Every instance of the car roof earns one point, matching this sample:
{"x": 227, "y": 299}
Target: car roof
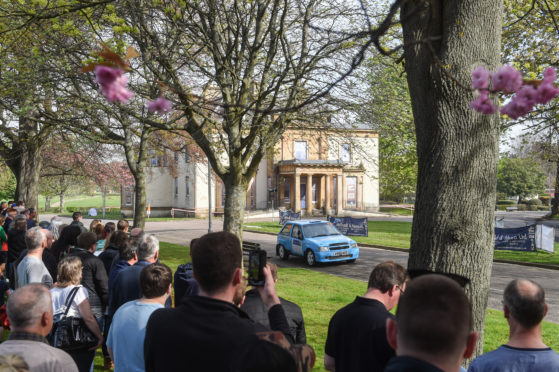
{"x": 307, "y": 222}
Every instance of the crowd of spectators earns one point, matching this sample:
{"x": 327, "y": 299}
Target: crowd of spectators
{"x": 121, "y": 291}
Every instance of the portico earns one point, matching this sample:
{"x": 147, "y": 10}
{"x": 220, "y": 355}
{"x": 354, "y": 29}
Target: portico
{"x": 307, "y": 185}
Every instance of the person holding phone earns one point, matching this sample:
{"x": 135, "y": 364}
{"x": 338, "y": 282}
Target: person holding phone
{"x": 209, "y": 332}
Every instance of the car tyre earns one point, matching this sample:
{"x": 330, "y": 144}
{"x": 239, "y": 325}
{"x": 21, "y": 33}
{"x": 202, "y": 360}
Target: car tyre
{"x": 283, "y": 253}
{"x": 310, "y": 258}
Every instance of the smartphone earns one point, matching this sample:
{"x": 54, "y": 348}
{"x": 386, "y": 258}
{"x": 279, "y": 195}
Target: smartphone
{"x": 256, "y": 263}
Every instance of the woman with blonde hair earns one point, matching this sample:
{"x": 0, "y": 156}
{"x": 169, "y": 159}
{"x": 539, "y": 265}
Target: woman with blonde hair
{"x": 69, "y": 277}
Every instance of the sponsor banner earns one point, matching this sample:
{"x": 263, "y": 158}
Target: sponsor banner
{"x": 545, "y": 238}
{"x": 351, "y": 226}
{"x": 516, "y": 239}
{"x": 288, "y": 216}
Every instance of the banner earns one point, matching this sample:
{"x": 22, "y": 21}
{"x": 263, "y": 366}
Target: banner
{"x": 545, "y": 238}
{"x": 515, "y": 239}
{"x": 351, "y": 226}
{"x": 288, "y": 216}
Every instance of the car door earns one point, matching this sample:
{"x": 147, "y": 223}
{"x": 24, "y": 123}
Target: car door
{"x": 284, "y": 237}
{"x": 297, "y": 240}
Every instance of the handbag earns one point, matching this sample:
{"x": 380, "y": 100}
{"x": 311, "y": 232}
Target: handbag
{"x": 70, "y": 333}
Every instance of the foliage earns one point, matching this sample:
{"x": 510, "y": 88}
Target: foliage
{"x": 520, "y": 177}
{"x": 389, "y": 112}
{"x": 506, "y": 202}
{"x": 7, "y": 183}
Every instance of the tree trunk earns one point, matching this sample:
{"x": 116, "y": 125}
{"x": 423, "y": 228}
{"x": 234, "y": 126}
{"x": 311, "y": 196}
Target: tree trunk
{"x": 235, "y": 202}
{"x": 140, "y": 201}
{"x": 47, "y": 202}
{"x": 28, "y": 180}
{"x": 555, "y": 199}
{"x": 61, "y": 201}
{"x": 457, "y": 148}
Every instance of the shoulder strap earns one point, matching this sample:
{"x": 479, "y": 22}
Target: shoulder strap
{"x": 70, "y": 298}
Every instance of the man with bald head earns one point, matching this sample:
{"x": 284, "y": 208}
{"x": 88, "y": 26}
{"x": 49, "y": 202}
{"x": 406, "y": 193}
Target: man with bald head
{"x": 432, "y": 331}
{"x": 29, "y": 309}
{"x": 524, "y": 308}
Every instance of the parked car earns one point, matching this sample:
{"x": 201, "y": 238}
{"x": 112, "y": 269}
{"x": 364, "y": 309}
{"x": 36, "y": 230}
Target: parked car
{"x": 317, "y": 241}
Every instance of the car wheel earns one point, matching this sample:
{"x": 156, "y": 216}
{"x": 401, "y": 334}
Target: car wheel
{"x": 283, "y": 253}
{"x": 309, "y": 257}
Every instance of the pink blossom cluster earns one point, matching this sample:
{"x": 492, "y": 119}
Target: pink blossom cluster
{"x": 160, "y": 105}
{"x": 112, "y": 83}
{"x": 509, "y": 80}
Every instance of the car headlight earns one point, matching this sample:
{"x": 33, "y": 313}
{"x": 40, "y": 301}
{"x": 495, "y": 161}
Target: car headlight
{"x": 323, "y": 249}
{"x": 353, "y": 245}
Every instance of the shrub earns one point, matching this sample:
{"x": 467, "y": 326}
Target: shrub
{"x": 501, "y": 196}
{"x": 506, "y": 202}
{"x": 522, "y": 207}
{"x": 532, "y": 207}
{"x": 543, "y": 208}
{"x": 534, "y": 202}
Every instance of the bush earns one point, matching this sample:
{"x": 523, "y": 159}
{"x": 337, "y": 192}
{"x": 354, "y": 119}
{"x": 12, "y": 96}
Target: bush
{"x": 501, "y": 196}
{"x": 534, "y": 202}
{"x": 532, "y": 207}
{"x": 506, "y": 202}
{"x": 544, "y": 199}
{"x": 522, "y": 207}
{"x": 543, "y": 208}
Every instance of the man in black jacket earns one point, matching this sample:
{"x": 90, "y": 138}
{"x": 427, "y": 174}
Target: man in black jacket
{"x": 208, "y": 332}
{"x": 257, "y": 311}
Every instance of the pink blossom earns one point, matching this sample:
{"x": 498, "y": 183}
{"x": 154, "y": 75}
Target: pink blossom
{"x": 517, "y": 107}
{"x": 507, "y": 79}
{"x": 549, "y": 75}
{"x": 117, "y": 90}
{"x": 106, "y": 75}
{"x": 483, "y": 104}
{"x": 160, "y": 105}
{"x": 546, "y": 92}
{"x": 526, "y": 96}
{"x": 480, "y": 78}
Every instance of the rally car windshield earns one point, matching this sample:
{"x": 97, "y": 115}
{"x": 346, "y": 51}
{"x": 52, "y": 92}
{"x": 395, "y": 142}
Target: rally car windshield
{"x": 319, "y": 229}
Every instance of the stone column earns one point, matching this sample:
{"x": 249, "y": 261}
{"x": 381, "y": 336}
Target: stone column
{"x": 327, "y": 187}
{"x": 281, "y": 197}
{"x": 296, "y": 195}
{"x": 309, "y": 194}
{"x": 340, "y": 203}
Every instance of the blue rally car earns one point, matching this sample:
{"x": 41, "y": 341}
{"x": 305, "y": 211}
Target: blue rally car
{"x": 317, "y": 241}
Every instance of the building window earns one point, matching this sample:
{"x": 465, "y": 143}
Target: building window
{"x": 187, "y": 182}
{"x": 176, "y": 157}
{"x": 186, "y": 156}
{"x": 351, "y": 192}
{"x": 345, "y": 153}
{"x": 176, "y": 187}
{"x": 153, "y": 159}
{"x": 286, "y": 190}
{"x": 300, "y": 150}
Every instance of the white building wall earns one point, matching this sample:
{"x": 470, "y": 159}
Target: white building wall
{"x": 159, "y": 187}
{"x": 200, "y": 184}
{"x": 366, "y": 154}
{"x": 261, "y": 180}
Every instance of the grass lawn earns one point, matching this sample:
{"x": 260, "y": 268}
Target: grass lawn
{"x": 398, "y": 211}
{"x": 321, "y": 295}
{"x": 397, "y": 234}
{"x": 85, "y": 201}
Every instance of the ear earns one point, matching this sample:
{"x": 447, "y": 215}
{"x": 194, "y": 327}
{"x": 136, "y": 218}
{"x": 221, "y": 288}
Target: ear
{"x": 392, "y": 290}
{"x": 471, "y": 344}
{"x": 169, "y": 289}
{"x": 546, "y": 309}
{"x": 156, "y": 255}
{"x": 392, "y": 333}
{"x": 237, "y": 276}
{"x": 506, "y": 311}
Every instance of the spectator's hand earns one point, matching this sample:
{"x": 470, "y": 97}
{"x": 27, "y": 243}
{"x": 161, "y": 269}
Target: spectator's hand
{"x": 268, "y": 290}
{"x": 99, "y": 343}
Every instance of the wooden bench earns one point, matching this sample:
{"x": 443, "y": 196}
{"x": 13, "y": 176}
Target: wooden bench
{"x": 510, "y": 209}
{"x": 249, "y": 247}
